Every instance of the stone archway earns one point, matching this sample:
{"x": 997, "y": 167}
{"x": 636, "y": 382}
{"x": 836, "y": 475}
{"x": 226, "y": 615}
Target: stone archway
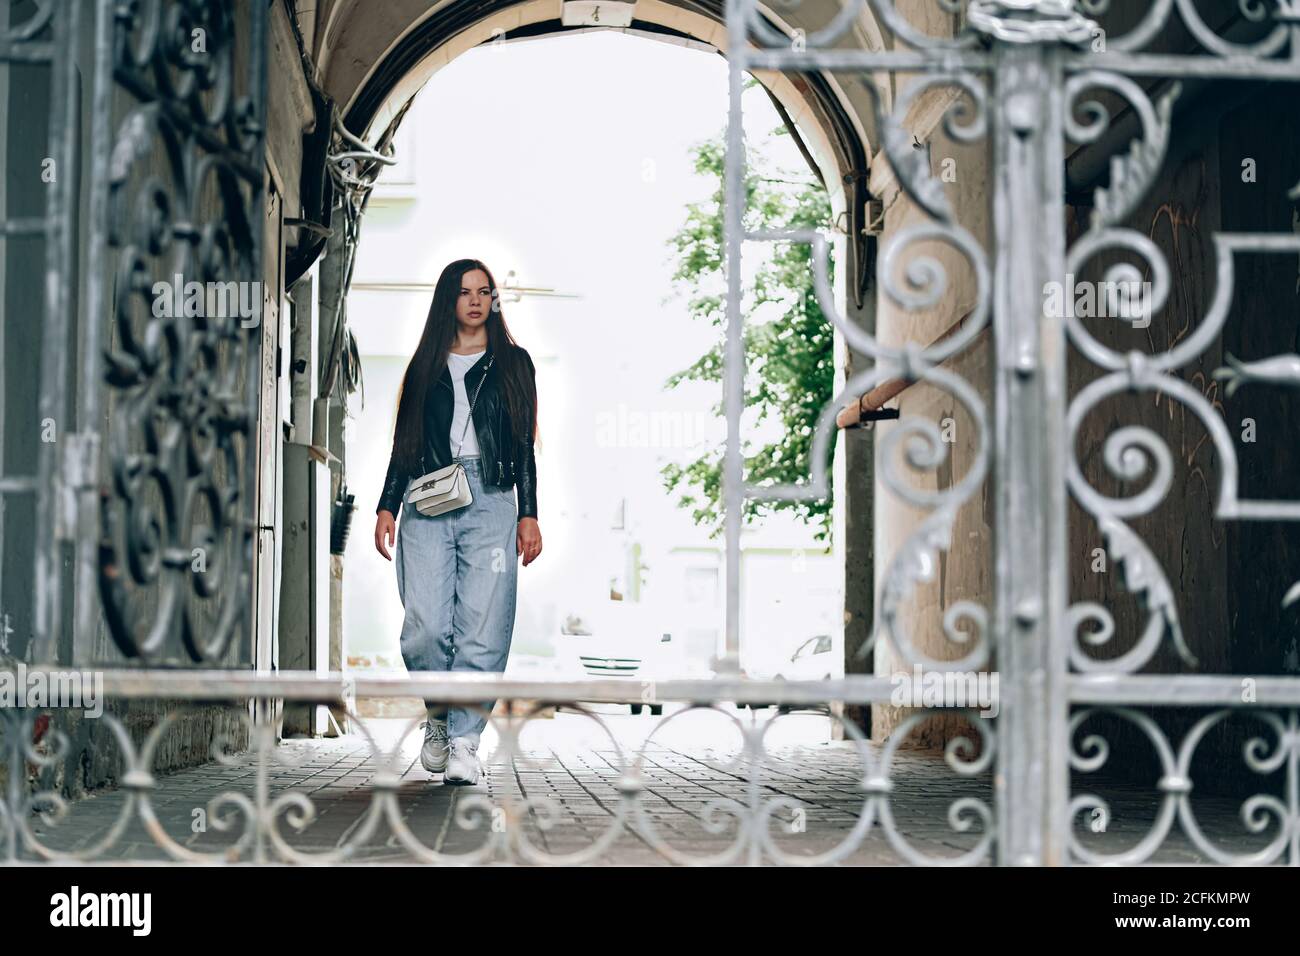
{"x": 373, "y": 70}
{"x": 373, "y": 64}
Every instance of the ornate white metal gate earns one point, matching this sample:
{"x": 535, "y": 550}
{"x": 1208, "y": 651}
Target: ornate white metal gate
{"x": 1024, "y": 67}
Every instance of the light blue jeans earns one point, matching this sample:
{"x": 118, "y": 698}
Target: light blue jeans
{"x": 456, "y": 575}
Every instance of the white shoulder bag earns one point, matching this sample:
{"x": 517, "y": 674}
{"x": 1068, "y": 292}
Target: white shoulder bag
{"x": 447, "y": 489}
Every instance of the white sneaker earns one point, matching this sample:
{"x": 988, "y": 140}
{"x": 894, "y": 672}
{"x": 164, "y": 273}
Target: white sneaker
{"x": 433, "y": 755}
{"x": 462, "y": 764}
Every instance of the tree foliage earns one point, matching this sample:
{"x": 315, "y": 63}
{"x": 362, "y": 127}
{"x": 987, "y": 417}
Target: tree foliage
{"x": 787, "y": 339}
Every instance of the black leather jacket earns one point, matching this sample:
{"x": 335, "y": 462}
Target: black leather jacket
{"x": 506, "y": 462}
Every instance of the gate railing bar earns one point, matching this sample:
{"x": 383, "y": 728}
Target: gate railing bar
{"x": 925, "y": 62}
{"x": 21, "y": 51}
{"x": 1167, "y": 64}
{"x": 1164, "y": 690}
{"x": 733, "y": 394}
{"x": 1187, "y": 690}
{"x": 1028, "y": 476}
{"x": 1152, "y": 64}
{"x": 30, "y": 226}
{"x": 453, "y": 687}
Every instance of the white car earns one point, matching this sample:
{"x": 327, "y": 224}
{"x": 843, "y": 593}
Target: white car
{"x": 812, "y": 660}
{"x": 623, "y": 640}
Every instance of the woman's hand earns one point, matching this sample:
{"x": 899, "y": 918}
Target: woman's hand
{"x": 385, "y": 532}
{"x": 528, "y": 540}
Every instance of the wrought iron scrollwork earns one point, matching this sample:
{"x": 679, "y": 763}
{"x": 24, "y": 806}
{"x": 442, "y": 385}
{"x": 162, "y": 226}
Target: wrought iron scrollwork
{"x": 1260, "y": 813}
{"x": 183, "y": 214}
{"x": 260, "y": 824}
{"x": 919, "y": 439}
{"x": 1131, "y": 175}
{"x": 1129, "y": 451}
{"x": 183, "y": 198}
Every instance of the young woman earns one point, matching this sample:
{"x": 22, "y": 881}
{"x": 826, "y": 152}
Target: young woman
{"x": 456, "y": 572}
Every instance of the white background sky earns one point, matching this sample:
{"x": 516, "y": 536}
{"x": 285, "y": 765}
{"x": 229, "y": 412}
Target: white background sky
{"x": 567, "y": 160}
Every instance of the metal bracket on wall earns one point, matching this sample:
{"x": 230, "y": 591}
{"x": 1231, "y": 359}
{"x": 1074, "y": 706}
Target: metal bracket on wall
{"x": 868, "y": 417}
{"x": 862, "y": 250}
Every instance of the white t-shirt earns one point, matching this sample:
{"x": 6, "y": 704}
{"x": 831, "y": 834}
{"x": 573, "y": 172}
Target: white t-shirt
{"x": 458, "y": 365}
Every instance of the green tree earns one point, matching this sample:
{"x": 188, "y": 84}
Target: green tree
{"x": 787, "y": 339}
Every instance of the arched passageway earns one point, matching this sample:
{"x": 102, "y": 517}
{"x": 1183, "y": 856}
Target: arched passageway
{"x": 583, "y": 194}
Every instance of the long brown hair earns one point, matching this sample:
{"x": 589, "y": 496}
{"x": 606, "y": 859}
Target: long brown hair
{"x": 430, "y": 359}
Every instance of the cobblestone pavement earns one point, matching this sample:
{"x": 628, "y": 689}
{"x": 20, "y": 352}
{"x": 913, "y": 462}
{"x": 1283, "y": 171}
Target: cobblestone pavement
{"x": 567, "y": 781}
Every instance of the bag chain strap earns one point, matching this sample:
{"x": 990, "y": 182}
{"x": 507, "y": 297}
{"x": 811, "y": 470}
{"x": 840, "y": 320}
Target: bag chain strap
{"x": 474, "y": 401}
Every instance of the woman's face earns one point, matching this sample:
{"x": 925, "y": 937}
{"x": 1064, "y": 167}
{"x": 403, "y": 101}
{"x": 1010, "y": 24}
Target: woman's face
{"x": 474, "y": 301}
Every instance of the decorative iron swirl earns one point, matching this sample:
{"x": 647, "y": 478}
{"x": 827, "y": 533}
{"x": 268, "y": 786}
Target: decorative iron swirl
{"x": 1157, "y": 20}
{"x": 1124, "y": 275}
{"x": 887, "y": 13}
{"x": 16, "y": 813}
{"x": 1141, "y": 34}
{"x": 848, "y": 14}
{"x": 910, "y": 165}
{"x": 914, "y": 283}
{"x": 1260, "y": 755}
{"x": 1065, "y": 23}
{"x": 183, "y": 201}
{"x": 1130, "y": 453}
{"x": 925, "y": 281}
{"x": 253, "y": 821}
{"x": 31, "y": 28}
{"x": 877, "y": 783}
{"x": 1131, "y": 175}
{"x": 916, "y": 559}
{"x": 255, "y": 817}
